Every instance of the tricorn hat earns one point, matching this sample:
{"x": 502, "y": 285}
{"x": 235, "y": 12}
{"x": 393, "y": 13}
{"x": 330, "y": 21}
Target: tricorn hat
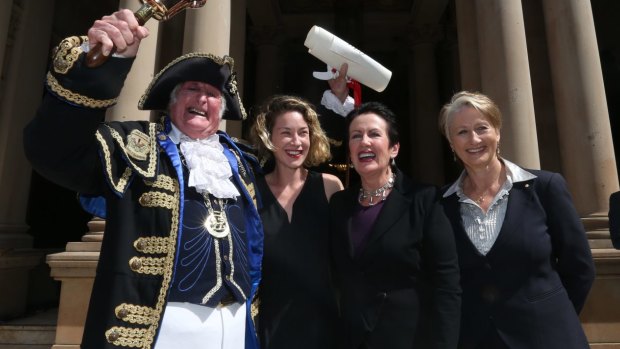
{"x": 203, "y": 67}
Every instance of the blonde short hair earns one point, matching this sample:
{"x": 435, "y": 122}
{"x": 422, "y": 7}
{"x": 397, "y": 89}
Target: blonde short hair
{"x": 476, "y": 100}
{"x": 262, "y": 128}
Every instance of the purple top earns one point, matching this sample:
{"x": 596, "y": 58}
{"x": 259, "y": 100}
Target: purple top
{"x": 363, "y": 220}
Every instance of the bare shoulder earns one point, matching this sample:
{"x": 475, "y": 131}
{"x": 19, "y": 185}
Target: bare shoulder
{"x": 332, "y": 184}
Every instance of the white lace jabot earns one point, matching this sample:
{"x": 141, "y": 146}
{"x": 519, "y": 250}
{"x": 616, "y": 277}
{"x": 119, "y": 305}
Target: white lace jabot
{"x": 209, "y": 170}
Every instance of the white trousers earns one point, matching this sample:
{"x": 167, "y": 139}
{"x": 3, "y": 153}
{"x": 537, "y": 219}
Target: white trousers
{"x": 192, "y": 326}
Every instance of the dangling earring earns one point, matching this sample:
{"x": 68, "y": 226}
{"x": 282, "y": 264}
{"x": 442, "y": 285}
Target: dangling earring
{"x": 497, "y": 150}
{"x": 393, "y": 162}
{"x": 351, "y": 165}
{"x": 454, "y": 156}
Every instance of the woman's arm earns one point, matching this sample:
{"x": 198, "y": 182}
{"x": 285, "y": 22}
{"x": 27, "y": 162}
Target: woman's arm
{"x": 568, "y": 237}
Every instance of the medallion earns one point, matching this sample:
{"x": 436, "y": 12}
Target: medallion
{"x": 217, "y": 224}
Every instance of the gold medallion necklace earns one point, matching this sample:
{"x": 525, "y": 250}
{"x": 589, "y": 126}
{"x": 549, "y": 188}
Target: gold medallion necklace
{"x": 217, "y": 221}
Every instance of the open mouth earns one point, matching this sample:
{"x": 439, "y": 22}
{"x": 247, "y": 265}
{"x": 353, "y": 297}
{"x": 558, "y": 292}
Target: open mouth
{"x": 476, "y": 150}
{"x": 195, "y": 111}
{"x": 368, "y": 156}
{"x": 293, "y": 153}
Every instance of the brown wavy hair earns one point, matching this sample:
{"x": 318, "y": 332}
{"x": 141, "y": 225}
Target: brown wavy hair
{"x": 261, "y": 130}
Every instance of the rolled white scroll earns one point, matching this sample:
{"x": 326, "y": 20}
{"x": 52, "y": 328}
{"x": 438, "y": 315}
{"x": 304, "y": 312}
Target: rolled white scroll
{"x": 334, "y": 51}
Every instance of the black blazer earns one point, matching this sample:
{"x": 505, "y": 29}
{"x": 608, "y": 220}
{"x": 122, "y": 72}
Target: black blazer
{"x": 535, "y": 279}
{"x": 409, "y": 264}
{"x": 614, "y": 219}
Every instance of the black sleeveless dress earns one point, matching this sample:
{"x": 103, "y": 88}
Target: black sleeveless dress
{"x": 297, "y": 305}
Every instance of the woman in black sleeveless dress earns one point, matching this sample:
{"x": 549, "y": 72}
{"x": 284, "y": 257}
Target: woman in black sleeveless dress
{"x": 297, "y": 305}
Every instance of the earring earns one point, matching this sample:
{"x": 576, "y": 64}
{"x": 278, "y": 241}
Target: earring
{"x": 454, "y": 156}
{"x": 497, "y": 150}
{"x": 393, "y": 162}
{"x": 351, "y": 165}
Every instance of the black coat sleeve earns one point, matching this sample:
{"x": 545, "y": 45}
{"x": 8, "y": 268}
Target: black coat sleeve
{"x": 60, "y": 144}
{"x": 571, "y": 250}
{"x": 60, "y": 141}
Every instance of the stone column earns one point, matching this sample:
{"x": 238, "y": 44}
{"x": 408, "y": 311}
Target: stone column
{"x": 268, "y": 79}
{"x": 506, "y": 76}
{"x": 587, "y": 152}
{"x": 25, "y": 67}
{"x": 424, "y": 104}
{"x": 237, "y": 51}
{"x": 140, "y": 75}
{"x": 208, "y": 30}
{"x": 468, "y": 46}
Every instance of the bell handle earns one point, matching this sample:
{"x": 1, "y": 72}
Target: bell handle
{"x": 95, "y": 56}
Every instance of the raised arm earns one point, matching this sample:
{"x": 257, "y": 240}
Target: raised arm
{"x": 60, "y": 141}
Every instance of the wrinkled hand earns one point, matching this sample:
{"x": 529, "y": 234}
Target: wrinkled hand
{"x": 339, "y": 85}
{"x": 120, "y": 30}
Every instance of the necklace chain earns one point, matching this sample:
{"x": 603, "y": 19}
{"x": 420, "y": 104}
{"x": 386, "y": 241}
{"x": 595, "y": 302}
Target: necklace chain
{"x": 480, "y": 199}
{"x": 380, "y": 192}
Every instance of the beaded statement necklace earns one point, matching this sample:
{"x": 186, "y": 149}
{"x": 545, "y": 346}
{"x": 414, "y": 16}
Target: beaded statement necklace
{"x": 380, "y": 193}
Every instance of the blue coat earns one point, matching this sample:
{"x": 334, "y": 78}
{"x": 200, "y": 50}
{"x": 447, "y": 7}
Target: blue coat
{"x": 534, "y": 281}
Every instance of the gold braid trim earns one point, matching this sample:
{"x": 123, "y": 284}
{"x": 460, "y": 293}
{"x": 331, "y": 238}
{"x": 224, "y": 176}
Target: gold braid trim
{"x": 233, "y": 90}
{"x": 126, "y": 337}
{"x": 162, "y": 182}
{"x": 249, "y": 186}
{"x": 152, "y": 245}
{"x": 150, "y": 172}
{"x": 67, "y": 53}
{"x": 135, "y": 314}
{"x": 143, "y": 338}
{"x": 219, "y": 60}
{"x": 254, "y": 308}
{"x": 167, "y": 269}
{"x": 77, "y": 98}
{"x": 124, "y": 180}
{"x": 158, "y": 199}
{"x": 147, "y": 265}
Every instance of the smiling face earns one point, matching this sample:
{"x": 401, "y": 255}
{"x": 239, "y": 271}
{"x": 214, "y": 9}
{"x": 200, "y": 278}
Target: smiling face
{"x": 197, "y": 110}
{"x": 473, "y": 138}
{"x": 291, "y": 138}
{"x": 369, "y": 147}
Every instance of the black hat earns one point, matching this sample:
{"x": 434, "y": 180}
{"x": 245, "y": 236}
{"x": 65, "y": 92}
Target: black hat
{"x": 203, "y": 67}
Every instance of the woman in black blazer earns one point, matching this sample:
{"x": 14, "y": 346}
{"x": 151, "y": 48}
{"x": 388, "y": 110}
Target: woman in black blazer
{"x": 395, "y": 261}
{"x": 526, "y": 267}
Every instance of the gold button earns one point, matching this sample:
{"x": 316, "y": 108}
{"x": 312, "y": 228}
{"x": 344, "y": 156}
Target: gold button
{"x": 144, "y": 200}
{"x": 113, "y": 336}
{"x": 162, "y": 137}
{"x": 135, "y": 264}
{"x": 122, "y": 313}
{"x": 140, "y": 245}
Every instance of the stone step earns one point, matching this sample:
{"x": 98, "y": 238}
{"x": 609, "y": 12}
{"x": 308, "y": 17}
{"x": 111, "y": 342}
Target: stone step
{"x": 36, "y": 331}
